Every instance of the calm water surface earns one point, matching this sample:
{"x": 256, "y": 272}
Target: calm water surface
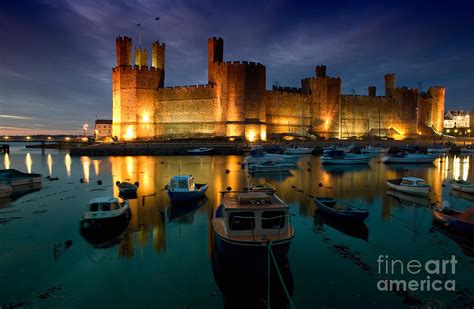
{"x": 164, "y": 258}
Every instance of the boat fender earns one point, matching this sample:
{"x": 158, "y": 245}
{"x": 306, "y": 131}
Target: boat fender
{"x": 117, "y": 183}
{"x": 137, "y": 183}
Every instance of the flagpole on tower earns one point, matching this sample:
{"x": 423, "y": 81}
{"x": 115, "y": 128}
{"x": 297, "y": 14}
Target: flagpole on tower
{"x": 139, "y": 35}
{"x": 158, "y": 27}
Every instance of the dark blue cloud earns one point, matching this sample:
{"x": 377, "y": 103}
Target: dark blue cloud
{"x": 56, "y": 56}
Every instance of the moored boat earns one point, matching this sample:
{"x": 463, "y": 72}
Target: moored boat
{"x": 127, "y": 188}
{"x": 13, "y": 178}
{"x": 259, "y": 157}
{"x": 5, "y": 191}
{"x": 459, "y": 221}
{"x": 463, "y": 185}
{"x": 409, "y": 158}
{"x": 340, "y": 157}
{"x": 264, "y": 187}
{"x": 201, "y": 150}
{"x": 374, "y": 149}
{"x": 270, "y": 167}
{"x": 468, "y": 149}
{"x": 297, "y": 150}
{"x": 182, "y": 188}
{"x": 246, "y": 222}
{"x": 346, "y": 149}
{"x": 410, "y": 185}
{"x": 342, "y": 211}
{"x": 105, "y": 213}
{"x": 438, "y": 149}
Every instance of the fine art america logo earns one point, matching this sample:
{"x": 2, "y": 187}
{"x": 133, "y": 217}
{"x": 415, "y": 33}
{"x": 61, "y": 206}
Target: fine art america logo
{"x": 430, "y": 275}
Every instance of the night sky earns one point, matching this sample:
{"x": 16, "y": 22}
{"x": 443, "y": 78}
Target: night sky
{"x": 56, "y": 56}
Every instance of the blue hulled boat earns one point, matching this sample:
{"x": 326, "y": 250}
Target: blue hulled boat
{"x": 458, "y": 221}
{"x": 182, "y": 189}
{"x": 340, "y": 211}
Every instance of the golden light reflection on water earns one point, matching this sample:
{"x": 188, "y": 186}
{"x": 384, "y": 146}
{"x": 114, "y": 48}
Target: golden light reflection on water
{"x": 28, "y": 162}
{"x": 67, "y": 163}
{"x": 86, "y": 165}
{"x": 96, "y": 167}
{"x": 6, "y": 161}
{"x": 50, "y": 164}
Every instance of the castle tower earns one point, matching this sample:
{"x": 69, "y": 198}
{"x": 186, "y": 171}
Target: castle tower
{"x": 389, "y": 85}
{"x": 141, "y": 57}
{"x": 372, "y": 90}
{"x": 158, "y": 60}
{"x": 215, "y": 54}
{"x": 123, "y": 47}
{"x": 324, "y": 93}
{"x": 438, "y": 94}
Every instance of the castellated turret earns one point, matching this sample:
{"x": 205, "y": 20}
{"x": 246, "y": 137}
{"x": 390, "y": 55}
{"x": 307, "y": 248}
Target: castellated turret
{"x": 141, "y": 57}
{"x": 437, "y": 94}
{"x": 389, "y": 84}
{"x": 215, "y": 55}
{"x": 158, "y": 60}
{"x": 124, "y": 50}
{"x": 134, "y": 91}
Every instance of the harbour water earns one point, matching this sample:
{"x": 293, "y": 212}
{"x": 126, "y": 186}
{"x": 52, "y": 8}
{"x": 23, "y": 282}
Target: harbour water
{"x": 165, "y": 257}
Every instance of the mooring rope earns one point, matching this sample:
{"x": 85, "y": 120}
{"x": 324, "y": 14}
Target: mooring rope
{"x": 270, "y": 254}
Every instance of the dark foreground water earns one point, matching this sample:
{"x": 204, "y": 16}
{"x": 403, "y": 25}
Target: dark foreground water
{"x": 165, "y": 258}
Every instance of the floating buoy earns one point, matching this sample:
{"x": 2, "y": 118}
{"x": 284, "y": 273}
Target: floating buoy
{"x": 99, "y": 182}
{"x": 81, "y": 180}
{"x": 293, "y": 186}
{"x": 309, "y": 170}
{"x": 137, "y": 183}
{"x": 320, "y": 184}
{"x": 229, "y": 188}
{"x": 227, "y": 171}
{"x": 117, "y": 183}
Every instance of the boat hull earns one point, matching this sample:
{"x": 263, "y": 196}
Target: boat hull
{"x": 103, "y": 230}
{"x": 343, "y": 161}
{"x": 463, "y": 188}
{"x": 180, "y": 197}
{"x": 453, "y": 223}
{"x": 348, "y": 216}
{"x": 408, "y": 160}
{"x": 424, "y": 191}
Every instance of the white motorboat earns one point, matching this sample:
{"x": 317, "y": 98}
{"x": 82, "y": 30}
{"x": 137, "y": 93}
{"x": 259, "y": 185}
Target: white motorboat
{"x": 341, "y": 158}
{"x": 13, "y": 178}
{"x": 346, "y": 149}
{"x": 297, "y": 150}
{"x": 5, "y": 191}
{"x": 410, "y": 185}
{"x": 468, "y": 149}
{"x": 409, "y": 158}
{"x": 374, "y": 149}
{"x": 438, "y": 149}
{"x": 105, "y": 212}
{"x": 270, "y": 167}
{"x": 259, "y": 157}
{"x": 463, "y": 186}
{"x": 201, "y": 150}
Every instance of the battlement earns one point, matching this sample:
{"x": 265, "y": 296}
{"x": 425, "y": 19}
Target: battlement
{"x": 186, "y": 87}
{"x": 135, "y": 68}
{"x": 123, "y": 38}
{"x": 286, "y": 89}
{"x": 354, "y": 96}
{"x": 315, "y": 78}
{"x": 215, "y": 39}
{"x": 241, "y": 63}
{"x": 157, "y": 43}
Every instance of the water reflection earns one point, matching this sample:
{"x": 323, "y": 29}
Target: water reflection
{"x": 50, "y": 164}
{"x": 86, "y": 165}
{"x": 6, "y": 161}
{"x": 28, "y": 162}
{"x": 96, "y": 167}
{"x": 358, "y": 230}
{"x": 67, "y": 163}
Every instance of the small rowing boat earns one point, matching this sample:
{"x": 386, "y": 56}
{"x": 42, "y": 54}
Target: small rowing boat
{"x": 341, "y": 211}
{"x": 463, "y": 186}
{"x": 410, "y": 185}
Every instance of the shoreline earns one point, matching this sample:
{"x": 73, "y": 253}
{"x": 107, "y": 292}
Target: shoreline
{"x": 223, "y": 147}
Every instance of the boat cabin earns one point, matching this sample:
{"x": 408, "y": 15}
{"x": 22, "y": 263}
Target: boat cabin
{"x": 413, "y": 182}
{"x": 255, "y": 213}
{"x": 182, "y": 184}
{"x": 103, "y": 207}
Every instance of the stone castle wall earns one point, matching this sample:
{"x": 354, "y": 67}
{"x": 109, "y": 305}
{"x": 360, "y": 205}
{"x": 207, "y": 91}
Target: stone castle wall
{"x": 235, "y": 102}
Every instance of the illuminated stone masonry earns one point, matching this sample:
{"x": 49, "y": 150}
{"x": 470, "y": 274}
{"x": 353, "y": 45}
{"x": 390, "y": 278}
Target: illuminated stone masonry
{"x": 235, "y": 103}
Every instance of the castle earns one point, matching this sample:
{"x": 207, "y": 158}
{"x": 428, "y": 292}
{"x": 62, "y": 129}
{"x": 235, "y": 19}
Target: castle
{"x": 236, "y": 103}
